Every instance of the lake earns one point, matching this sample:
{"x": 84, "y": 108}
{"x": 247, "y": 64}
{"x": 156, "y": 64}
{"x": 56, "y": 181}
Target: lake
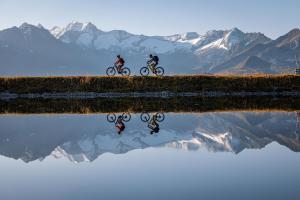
{"x": 239, "y": 154}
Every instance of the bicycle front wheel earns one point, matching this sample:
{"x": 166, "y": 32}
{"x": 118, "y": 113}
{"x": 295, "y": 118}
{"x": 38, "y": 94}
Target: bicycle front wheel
{"x": 111, "y": 71}
{"x": 160, "y": 117}
{"x": 126, "y": 117}
{"x": 159, "y": 71}
{"x": 144, "y": 71}
{"x": 126, "y": 71}
{"x": 111, "y": 117}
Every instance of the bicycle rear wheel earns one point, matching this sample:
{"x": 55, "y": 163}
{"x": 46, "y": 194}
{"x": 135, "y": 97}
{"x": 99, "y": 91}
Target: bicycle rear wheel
{"x": 111, "y": 71}
{"x": 125, "y": 71}
{"x": 145, "y": 117}
{"x": 159, "y": 71}
{"x": 144, "y": 71}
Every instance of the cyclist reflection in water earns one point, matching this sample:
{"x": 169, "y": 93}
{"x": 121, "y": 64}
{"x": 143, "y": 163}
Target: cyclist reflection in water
{"x": 119, "y": 121}
{"x": 153, "y": 125}
{"x": 120, "y": 125}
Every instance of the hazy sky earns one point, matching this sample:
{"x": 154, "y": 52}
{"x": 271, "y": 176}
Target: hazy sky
{"x": 157, "y": 17}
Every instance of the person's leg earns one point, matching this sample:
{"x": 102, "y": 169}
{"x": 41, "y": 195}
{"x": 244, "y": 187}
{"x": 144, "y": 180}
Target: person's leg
{"x": 120, "y": 68}
{"x": 152, "y": 66}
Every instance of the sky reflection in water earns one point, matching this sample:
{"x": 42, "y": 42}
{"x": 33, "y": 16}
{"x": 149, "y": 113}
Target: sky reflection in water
{"x": 229, "y": 155}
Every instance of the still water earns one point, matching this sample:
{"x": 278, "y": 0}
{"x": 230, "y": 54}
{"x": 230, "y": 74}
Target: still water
{"x": 213, "y": 155}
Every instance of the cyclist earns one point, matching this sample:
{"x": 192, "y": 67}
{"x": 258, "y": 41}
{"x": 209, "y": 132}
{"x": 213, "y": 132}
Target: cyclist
{"x": 153, "y": 125}
{"x": 120, "y": 125}
{"x": 153, "y": 62}
{"x": 119, "y": 63}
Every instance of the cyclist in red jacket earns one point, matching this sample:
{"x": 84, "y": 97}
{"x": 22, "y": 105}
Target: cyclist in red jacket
{"x": 120, "y": 125}
{"x": 119, "y": 63}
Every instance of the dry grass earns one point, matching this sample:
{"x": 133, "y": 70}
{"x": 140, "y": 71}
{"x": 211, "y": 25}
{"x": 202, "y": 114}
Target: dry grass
{"x": 179, "y": 83}
{"x": 136, "y": 105}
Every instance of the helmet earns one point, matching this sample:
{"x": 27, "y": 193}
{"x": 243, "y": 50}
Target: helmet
{"x": 150, "y": 56}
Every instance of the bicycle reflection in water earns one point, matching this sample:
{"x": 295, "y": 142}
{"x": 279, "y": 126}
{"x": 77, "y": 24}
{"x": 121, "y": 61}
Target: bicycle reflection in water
{"x": 153, "y": 121}
{"x": 119, "y": 121}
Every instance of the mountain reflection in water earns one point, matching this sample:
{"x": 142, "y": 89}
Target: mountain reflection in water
{"x": 86, "y": 137}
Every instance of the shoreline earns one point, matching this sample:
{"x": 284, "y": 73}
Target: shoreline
{"x": 163, "y": 94}
{"x": 148, "y": 104}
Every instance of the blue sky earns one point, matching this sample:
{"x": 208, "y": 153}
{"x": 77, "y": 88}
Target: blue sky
{"x": 158, "y": 17}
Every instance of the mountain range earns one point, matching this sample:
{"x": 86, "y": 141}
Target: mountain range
{"x": 82, "y": 48}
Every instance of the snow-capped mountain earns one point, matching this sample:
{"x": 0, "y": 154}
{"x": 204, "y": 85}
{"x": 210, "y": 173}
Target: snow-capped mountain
{"x": 33, "y": 50}
{"x": 88, "y": 35}
{"x": 82, "y": 48}
{"x": 206, "y": 51}
{"x": 275, "y": 56}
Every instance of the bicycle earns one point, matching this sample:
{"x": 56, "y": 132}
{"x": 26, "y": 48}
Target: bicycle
{"x": 158, "y": 71}
{"x": 112, "y": 117}
{"x": 153, "y": 121}
{"x": 159, "y": 117}
{"x": 124, "y": 71}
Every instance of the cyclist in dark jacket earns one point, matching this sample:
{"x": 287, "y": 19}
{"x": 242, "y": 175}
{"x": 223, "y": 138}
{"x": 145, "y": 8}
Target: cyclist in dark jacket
{"x": 153, "y": 125}
{"x": 153, "y": 62}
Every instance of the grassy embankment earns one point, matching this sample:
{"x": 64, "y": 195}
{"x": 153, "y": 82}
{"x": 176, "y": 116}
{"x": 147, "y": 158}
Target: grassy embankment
{"x": 136, "y": 105}
{"x": 182, "y": 83}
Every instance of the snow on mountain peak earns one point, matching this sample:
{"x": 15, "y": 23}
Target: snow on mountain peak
{"x": 76, "y": 32}
{"x": 88, "y": 35}
{"x": 190, "y": 36}
{"x": 222, "y": 39}
{"x": 74, "y": 26}
{"x": 80, "y": 27}
{"x": 187, "y": 39}
{"x": 233, "y": 37}
{"x": 55, "y": 31}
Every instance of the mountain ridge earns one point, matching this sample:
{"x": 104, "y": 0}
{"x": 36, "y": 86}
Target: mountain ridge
{"x": 83, "y": 48}
{"x": 281, "y": 51}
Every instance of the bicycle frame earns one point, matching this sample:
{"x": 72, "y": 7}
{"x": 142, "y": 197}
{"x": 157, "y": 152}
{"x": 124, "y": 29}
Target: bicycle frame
{"x": 150, "y": 67}
{"x": 116, "y": 68}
